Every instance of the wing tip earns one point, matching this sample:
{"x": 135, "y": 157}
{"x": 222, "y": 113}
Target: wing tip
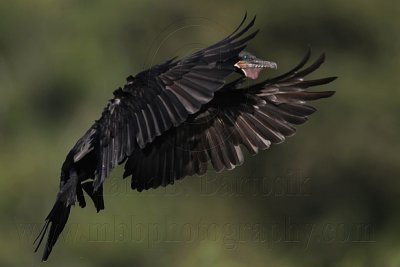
{"x": 329, "y": 94}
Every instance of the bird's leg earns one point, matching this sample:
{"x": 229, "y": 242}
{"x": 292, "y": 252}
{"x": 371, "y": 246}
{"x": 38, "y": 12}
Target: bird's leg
{"x": 67, "y": 193}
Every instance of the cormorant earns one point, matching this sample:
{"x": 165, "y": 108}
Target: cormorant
{"x": 172, "y": 120}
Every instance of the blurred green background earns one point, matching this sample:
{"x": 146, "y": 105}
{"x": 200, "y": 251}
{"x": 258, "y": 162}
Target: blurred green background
{"x": 326, "y": 197}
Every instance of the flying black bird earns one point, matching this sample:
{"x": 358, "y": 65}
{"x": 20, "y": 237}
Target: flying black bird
{"x": 173, "y": 119}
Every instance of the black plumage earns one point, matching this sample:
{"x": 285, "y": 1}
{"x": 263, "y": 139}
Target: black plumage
{"x": 174, "y": 119}
{"x": 255, "y": 116}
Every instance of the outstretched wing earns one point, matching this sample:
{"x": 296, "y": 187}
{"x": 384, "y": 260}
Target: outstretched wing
{"x": 255, "y": 117}
{"x": 162, "y": 97}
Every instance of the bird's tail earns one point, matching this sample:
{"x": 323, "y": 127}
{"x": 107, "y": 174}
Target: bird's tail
{"x": 56, "y": 219}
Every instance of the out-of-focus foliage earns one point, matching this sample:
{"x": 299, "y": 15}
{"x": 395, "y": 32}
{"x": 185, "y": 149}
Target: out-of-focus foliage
{"x": 330, "y": 193}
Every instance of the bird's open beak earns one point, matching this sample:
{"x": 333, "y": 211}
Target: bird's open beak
{"x": 252, "y": 67}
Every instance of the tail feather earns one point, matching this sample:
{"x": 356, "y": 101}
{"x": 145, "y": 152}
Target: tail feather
{"x": 56, "y": 219}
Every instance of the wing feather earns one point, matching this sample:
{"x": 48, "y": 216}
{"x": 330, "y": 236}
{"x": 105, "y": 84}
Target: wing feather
{"x": 157, "y": 99}
{"x": 255, "y": 117}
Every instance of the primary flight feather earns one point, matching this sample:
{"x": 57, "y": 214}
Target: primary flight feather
{"x": 175, "y": 118}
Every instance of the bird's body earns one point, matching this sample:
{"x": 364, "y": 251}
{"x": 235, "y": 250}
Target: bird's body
{"x": 174, "y": 119}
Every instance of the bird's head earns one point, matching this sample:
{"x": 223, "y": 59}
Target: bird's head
{"x": 251, "y": 66}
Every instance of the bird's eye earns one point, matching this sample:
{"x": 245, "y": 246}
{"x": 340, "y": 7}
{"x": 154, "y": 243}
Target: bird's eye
{"x": 245, "y": 57}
